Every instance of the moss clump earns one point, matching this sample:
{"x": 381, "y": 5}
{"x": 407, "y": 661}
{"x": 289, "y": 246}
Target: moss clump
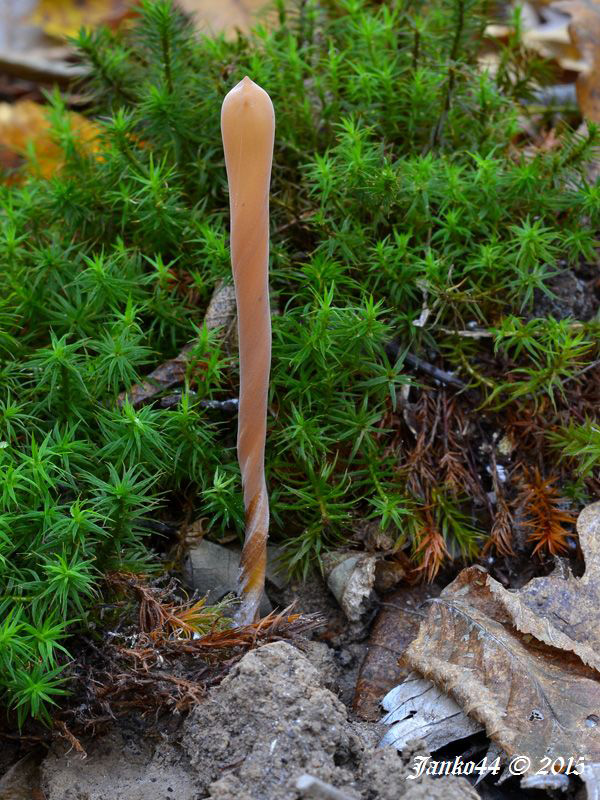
{"x": 403, "y": 211}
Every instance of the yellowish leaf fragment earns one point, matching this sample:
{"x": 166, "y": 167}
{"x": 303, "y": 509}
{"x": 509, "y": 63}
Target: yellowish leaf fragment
{"x": 25, "y": 130}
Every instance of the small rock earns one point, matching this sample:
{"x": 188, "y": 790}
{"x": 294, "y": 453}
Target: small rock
{"x": 268, "y": 722}
{"x": 351, "y": 578}
{"x": 213, "y": 570}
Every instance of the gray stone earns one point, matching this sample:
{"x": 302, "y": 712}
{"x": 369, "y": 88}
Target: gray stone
{"x": 351, "y": 580}
{"x": 213, "y": 570}
{"x": 267, "y": 723}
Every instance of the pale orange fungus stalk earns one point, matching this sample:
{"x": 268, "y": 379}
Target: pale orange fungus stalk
{"x": 248, "y": 130}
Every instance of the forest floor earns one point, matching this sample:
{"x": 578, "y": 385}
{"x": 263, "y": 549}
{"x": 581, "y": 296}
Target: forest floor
{"x": 302, "y": 698}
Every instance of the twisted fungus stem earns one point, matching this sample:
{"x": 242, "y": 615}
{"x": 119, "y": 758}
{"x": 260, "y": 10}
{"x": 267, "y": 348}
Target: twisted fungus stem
{"x": 254, "y": 557}
{"x": 248, "y": 128}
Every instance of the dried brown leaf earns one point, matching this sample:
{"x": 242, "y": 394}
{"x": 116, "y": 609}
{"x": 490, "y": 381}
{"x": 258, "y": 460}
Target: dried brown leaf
{"x": 552, "y": 41}
{"x": 584, "y": 30}
{"x": 532, "y": 699}
{"x": 396, "y": 625}
{"x": 65, "y": 18}
{"x": 563, "y": 611}
{"x": 25, "y": 127}
{"x": 223, "y": 15}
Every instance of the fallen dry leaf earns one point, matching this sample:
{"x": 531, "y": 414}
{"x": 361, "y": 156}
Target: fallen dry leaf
{"x": 584, "y": 30}
{"x": 63, "y": 18}
{"x": 396, "y": 625}
{"x": 562, "y": 610}
{"x": 591, "y": 778}
{"x": 227, "y": 16}
{"x": 219, "y": 314}
{"x": 21, "y": 781}
{"x": 417, "y": 709}
{"x": 551, "y": 40}
{"x": 545, "y": 31}
{"x": 533, "y": 699}
{"x": 26, "y": 52}
{"x": 25, "y": 124}
{"x": 573, "y": 44}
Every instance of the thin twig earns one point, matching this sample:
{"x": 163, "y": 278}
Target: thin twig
{"x": 448, "y": 378}
{"x": 228, "y": 406}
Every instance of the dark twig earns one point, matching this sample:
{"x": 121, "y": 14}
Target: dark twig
{"x": 440, "y": 375}
{"x": 219, "y": 314}
{"x": 228, "y": 406}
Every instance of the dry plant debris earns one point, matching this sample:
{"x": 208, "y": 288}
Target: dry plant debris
{"x": 545, "y": 520}
{"x": 26, "y": 139}
{"x": 396, "y": 625}
{"x": 560, "y": 609}
{"x": 567, "y": 34}
{"x": 546, "y": 31}
{"x": 220, "y": 315}
{"x": 420, "y": 710}
{"x": 521, "y": 663}
{"x": 34, "y": 35}
{"x": 584, "y": 31}
{"x": 227, "y": 16}
{"x": 65, "y": 18}
{"x": 166, "y": 660}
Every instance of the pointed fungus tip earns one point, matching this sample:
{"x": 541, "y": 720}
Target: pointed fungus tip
{"x": 245, "y": 84}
